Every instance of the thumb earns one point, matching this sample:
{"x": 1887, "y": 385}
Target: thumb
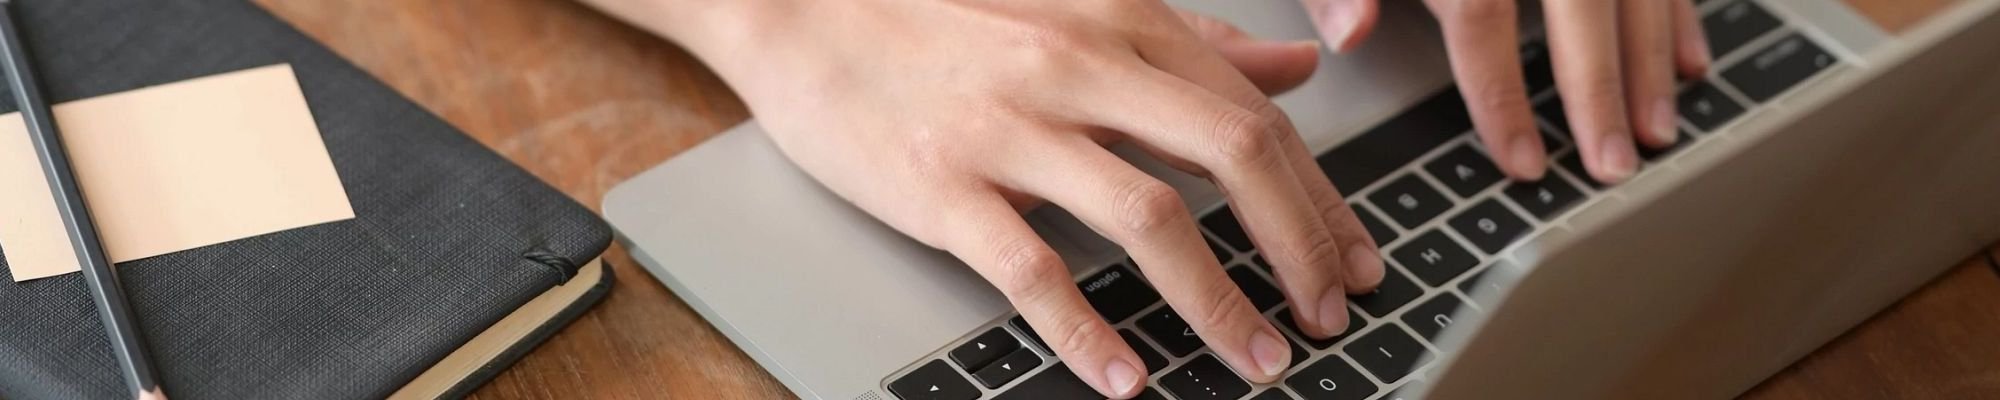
{"x": 1343, "y": 23}
{"x": 1273, "y": 66}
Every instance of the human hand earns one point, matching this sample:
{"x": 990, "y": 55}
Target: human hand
{"x": 1614, "y": 62}
{"x": 946, "y": 119}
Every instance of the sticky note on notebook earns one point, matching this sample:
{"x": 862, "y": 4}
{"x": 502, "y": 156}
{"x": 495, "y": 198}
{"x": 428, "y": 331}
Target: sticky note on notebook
{"x": 171, "y": 168}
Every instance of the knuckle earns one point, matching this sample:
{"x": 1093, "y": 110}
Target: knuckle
{"x": 926, "y": 150}
{"x": 1502, "y": 95}
{"x": 1599, "y": 89}
{"x": 1225, "y": 305}
{"x": 1052, "y": 40}
{"x": 1314, "y": 249}
{"x": 1243, "y": 138}
{"x": 1077, "y": 335}
{"x": 1149, "y": 205}
{"x": 1026, "y": 268}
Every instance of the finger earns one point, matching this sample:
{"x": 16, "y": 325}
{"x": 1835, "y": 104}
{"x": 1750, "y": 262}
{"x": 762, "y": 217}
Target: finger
{"x": 1241, "y": 151}
{"x": 1691, "y": 53}
{"x": 1148, "y": 219}
{"x": 1480, "y": 37}
{"x": 1583, "y": 42}
{"x": 1343, "y": 23}
{"x": 1274, "y": 66}
{"x": 1308, "y": 279}
{"x": 992, "y": 238}
{"x": 1646, "y": 41}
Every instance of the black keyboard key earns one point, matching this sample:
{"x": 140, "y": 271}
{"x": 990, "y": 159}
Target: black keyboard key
{"x": 1223, "y": 223}
{"x": 1550, "y": 144}
{"x": 1261, "y": 264}
{"x": 1117, "y": 293}
{"x": 1299, "y": 354}
{"x": 1774, "y": 69}
{"x": 1154, "y": 362}
{"x": 1574, "y": 163}
{"x": 1651, "y": 154}
{"x": 1463, "y": 170}
{"x": 1029, "y": 332}
{"x": 1489, "y": 225}
{"x": 1055, "y": 382}
{"x": 985, "y": 348}
{"x": 1260, "y": 292}
{"x": 1546, "y": 198}
{"x": 1535, "y": 64}
{"x": 1204, "y": 378}
{"x": 1393, "y": 293}
{"x": 1396, "y": 142}
{"x": 1382, "y": 233}
{"x": 1434, "y": 315}
{"x": 1735, "y": 24}
{"x": 1150, "y": 394}
{"x": 1434, "y": 258}
{"x": 1551, "y": 110}
{"x": 1354, "y": 324}
{"x": 1007, "y": 369}
{"x": 933, "y": 381}
{"x": 1170, "y": 331}
{"x": 1222, "y": 255}
{"x": 1330, "y": 378}
{"x": 1388, "y": 353}
{"x": 1410, "y": 201}
{"x": 1707, "y": 107}
{"x": 1272, "y": 394}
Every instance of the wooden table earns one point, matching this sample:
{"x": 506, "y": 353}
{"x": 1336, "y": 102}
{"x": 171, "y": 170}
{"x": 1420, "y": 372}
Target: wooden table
{"x": 584, "y": 103}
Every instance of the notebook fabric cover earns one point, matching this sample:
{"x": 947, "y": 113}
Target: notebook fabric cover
{"x": 449, "y": 237}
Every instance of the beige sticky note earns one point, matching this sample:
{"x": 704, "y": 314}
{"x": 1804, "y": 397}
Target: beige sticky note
{"x": 172, "y": 167}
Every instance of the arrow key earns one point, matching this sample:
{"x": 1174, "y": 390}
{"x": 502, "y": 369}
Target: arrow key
{"x": 1008, "y": 368}
{"x": 982, "y": 350}
{"x": 933, "y": 381}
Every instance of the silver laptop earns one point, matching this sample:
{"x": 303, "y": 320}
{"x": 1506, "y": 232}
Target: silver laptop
{"x": 1826, "y": 169}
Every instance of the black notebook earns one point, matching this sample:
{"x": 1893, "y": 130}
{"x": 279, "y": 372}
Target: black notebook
{"x": 456, "y": 264}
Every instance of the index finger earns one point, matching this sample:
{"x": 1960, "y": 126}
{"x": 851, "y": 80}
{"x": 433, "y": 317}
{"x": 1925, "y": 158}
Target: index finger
{"x": 1480, "y": 37}
{"x": 993, "y": 239}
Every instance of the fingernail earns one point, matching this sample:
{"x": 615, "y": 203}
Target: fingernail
{"x": 1663, "y": 121}
{"x": 1270, "y": 353}
{"x": 1314, "y": 44}
{"x": 1337, "y": 25}
{"x": 1124, "y": 378}
{"x": 1362, "y": 257}
{"x": 1617, "y": 157}
{"x": 1333, "y": 312}
{"x": 1527, "y": 156}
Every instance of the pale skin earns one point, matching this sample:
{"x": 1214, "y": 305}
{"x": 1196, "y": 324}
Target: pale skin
{"x": 946, "y": 119}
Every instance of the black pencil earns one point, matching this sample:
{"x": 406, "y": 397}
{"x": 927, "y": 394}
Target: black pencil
{"x": 97, "y": 270}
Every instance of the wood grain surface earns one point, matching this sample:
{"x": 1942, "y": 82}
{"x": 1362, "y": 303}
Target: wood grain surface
{"x": 585, "y": 102}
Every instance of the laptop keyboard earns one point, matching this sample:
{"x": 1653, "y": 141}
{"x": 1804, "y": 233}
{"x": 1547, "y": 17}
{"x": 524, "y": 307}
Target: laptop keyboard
{"x": 1425, "y": 189}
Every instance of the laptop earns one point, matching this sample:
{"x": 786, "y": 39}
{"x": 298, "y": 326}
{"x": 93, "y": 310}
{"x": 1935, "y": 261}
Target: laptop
{"x": 1826, "y": 168}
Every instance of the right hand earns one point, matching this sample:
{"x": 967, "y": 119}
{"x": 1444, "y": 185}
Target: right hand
{"x": 1614, "y": 62}
{"x": 946, "y": 119}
